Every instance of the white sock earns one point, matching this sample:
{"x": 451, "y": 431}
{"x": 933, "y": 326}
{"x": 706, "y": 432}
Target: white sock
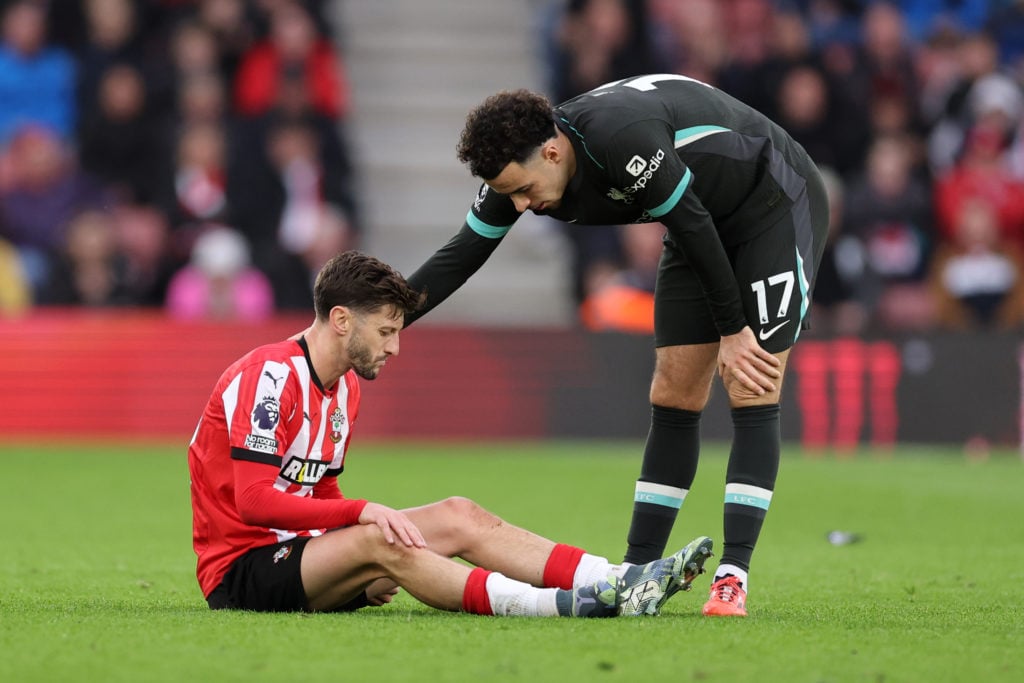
{"x": 511, "y": 598}
{"x": 740, "y": 574}
{"x": 592, "y": 569}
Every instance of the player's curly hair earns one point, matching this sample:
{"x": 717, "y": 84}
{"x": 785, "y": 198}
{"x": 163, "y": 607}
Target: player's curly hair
{"x": 508, "y": 126}
{"x": 363, "y": 283}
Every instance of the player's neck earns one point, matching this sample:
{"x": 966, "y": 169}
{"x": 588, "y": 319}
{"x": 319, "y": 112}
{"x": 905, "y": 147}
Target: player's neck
{"x": 568, "y": 153}
{"x": 323, "y": 355}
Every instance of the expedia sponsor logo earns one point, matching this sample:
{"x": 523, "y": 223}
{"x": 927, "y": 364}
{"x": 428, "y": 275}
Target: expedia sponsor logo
{"x": 304, "y": 472}
{"x": 261, "y": 444}
{"x": 653, "y": 164}
{"x": 636, "y": 165}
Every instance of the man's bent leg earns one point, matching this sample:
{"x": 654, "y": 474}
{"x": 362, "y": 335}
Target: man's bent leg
{"x": 679, "y": 392}
{"x": 340, "y": 564}
{"x": 459, "y": 527}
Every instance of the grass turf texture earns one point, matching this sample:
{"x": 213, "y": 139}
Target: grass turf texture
{"x": 97, "y": 581}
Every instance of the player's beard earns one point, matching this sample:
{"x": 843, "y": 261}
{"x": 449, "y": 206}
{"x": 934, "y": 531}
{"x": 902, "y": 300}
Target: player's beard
{"x": 361, "y": 358}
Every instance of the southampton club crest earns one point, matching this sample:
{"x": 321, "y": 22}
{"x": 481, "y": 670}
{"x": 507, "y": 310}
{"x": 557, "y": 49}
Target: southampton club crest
{"x": 282, "y": 553}
{"x": 337, "y": 424}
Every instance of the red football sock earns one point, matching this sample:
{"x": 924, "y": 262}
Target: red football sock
{"x": 561, "y": 566}
{"x": 474, "y": 596}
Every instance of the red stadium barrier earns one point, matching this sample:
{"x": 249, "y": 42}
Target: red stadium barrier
{"x": 76, "y": 374}
{"x": 109, "y": 374}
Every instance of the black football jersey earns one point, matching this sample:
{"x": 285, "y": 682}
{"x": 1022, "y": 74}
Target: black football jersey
{"x": 660, "y": 147}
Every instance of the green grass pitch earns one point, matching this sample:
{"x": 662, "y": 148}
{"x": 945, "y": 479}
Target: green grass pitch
{"x": 97, "y": 582}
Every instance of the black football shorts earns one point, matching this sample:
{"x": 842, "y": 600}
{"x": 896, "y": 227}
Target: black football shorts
{"x": 269, "y": 579}
{"x": 266, "y": 579}
{"x": 775, "y": 271}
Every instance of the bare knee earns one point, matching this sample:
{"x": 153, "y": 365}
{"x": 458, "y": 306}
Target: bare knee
{"x": 387, "y": 557}
{"x": 682, "y": 376}
{"x": 464, "y": 524}
{"x": 673, "y": 390}
{"x": 742, "y": 397}
{"x": 468, "y": 514}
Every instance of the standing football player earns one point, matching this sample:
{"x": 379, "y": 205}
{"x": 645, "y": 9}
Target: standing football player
{"x": 273, "y": 532}
{"x": 746, "y": 216}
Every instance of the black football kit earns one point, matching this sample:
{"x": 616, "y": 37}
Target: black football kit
{"x": 715, "y": 172}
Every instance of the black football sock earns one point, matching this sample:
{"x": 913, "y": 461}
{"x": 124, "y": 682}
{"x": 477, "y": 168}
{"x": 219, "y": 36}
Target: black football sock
{"x": 670, "y": 463}
{"x": 750, "y": 480}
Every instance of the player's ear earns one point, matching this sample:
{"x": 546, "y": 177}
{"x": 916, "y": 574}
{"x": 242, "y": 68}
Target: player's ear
{"x": 550, "y": 150}
{"x": 341, "y": 319}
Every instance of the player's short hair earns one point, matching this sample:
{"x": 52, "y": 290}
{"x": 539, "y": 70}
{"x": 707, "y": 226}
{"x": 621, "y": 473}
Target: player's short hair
{"x": 363, "y": 283}
{"x": 508, "y": 126}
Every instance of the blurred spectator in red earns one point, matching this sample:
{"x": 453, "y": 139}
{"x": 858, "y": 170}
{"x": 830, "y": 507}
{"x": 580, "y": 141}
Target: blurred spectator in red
{"x": 90, "y": 270}
{"x": 295, "y": 62}
{"x": 290, "y": 87}
{"x": 888, "y": 210}
{"x": 623, "y": 300}
{"x": 982, "y": 175}
{"x": 120, "y": 142}
{"x": 44, "y": 191}
{"x": 219, "y": 283}
{"x": 978, "y": 276}
{"x": 37, "y": 80}
{"x": 200, "y": 174}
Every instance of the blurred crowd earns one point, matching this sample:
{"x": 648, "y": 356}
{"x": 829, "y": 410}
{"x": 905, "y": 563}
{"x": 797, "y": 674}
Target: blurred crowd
{"x": 191, "y": 154}
{"x": 187, "y": 154}
{"x": 913, "y": 109}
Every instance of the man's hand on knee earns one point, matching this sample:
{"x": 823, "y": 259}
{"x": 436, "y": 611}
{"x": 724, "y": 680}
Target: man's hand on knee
{"x": 395, "y": 525}
{"x": 747, "y": 370}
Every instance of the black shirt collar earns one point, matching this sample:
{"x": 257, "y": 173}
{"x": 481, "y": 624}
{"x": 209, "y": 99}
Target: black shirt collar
{"x": 309, "y": 361}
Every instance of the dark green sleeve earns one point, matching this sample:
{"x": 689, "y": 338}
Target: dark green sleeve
{"x": 450, "y": 267}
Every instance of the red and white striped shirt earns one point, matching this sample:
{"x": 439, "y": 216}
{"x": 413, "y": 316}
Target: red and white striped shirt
{"x": 266, "y": 455}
